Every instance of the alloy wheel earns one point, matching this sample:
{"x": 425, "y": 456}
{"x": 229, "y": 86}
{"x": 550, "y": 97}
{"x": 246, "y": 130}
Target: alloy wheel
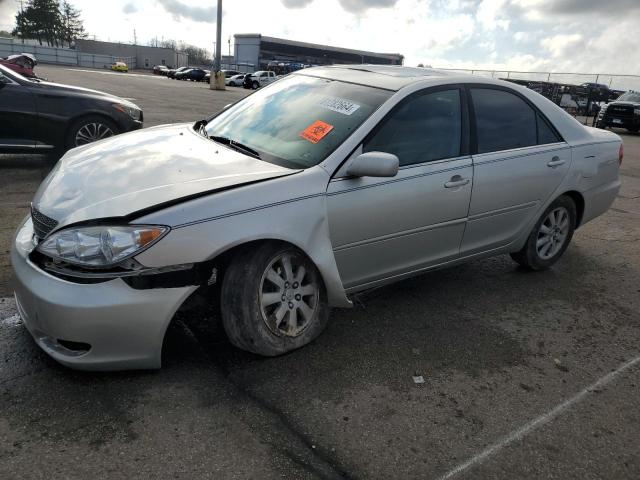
{"x": 289, "y": 294}
{"x": 92, "y": 132}
{"x": 553, "y": 233}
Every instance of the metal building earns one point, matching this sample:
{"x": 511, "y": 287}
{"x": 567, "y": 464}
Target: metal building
{"x": 146, "y": 57}
{"x": 261, "y": 51}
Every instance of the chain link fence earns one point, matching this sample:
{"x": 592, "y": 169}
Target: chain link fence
{"x": 614, "y": 82}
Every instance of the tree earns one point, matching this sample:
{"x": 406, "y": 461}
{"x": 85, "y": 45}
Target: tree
{"x": 197, "y": 55}
{"x": 47, "y": 20}
{"x": 72, "y": 27}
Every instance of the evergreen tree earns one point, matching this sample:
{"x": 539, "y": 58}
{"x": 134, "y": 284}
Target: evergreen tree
{"x": 72, "y": 27}
{"x": 49, "y": 21}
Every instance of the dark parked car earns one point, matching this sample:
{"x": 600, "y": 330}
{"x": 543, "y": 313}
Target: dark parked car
{"x": 42, "y": 116}
{"x": 622, "y": 113}
{"x": 160, "y": 70}
{"x": 172, "y": 73}
{"x": 194, "y": 74}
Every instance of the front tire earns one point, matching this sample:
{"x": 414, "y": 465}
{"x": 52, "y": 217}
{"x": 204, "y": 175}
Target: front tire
{"x": 255, "y": 85}
{"x": 273, "y": 300}
{"x": 90, "y": 129}
{"x": 550, "y": 236}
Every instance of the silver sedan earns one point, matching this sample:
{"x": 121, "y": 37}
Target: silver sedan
{"x": 330, "y": 181}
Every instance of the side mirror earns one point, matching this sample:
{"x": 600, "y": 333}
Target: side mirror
{"x": 374, "y": 164}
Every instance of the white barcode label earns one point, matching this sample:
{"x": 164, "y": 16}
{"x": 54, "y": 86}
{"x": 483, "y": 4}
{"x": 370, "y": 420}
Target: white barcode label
{"x": 340, "y": 105}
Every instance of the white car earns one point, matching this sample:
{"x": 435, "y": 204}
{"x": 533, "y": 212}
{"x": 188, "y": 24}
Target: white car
{"x": 259, "y": 79}
{"x": 331, "y": 181}
{"x": 235, "y": 80}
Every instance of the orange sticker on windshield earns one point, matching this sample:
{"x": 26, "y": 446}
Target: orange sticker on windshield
{"x": 316, "y": 131}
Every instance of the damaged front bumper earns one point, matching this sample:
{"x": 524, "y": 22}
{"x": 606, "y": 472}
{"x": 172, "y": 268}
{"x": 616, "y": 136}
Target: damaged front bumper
{"x": 114, "y": 324}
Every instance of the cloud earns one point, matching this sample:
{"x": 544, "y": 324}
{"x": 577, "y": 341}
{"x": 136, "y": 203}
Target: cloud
{"x": 129, "y": 8}
{"x": 492, "y": 14}
{"x": 352, "y": 6}
{"x": 357, "y": 6}
{"x": 563, "y": 44}
{"x": 181, "y": 11}
{"x": 296, "y": 3}
{"x": 548, "y": 9}
{"x": 8, "y": 11}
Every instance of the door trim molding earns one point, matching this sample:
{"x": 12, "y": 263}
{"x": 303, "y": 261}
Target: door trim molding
{"x": 403, "y": 233}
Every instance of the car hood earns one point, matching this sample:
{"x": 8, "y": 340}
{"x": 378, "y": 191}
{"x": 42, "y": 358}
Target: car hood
{"x": 624, "y": 103}
{"x": 70, "y": 89}
{"x": 143, "y": 170}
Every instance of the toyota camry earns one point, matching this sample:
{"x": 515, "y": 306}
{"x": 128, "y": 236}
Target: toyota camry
{"x": 330, "y": 181}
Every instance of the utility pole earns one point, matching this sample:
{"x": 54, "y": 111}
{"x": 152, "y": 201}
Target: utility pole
{"x": 217, "y": 79}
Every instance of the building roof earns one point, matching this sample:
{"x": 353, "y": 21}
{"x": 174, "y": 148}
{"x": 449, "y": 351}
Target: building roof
{"x": 295, "y": 43}
{"x": 390, "y": 77}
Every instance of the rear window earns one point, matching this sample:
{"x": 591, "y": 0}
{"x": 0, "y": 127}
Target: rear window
{"x": 503, "y": 120}
{"x": 298, "y": 121}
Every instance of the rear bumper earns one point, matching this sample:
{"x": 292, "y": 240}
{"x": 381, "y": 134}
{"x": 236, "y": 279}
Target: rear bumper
{"x": 599, "y": 199}
{"x": 103, "y": 326}
{"x": 620, "y": 121}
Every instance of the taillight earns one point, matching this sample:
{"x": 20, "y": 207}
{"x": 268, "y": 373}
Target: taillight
{"x": 620, "y": 154}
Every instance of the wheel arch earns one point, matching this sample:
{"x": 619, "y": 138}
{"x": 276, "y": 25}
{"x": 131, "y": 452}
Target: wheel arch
{"x": 222, "y": 259}
{"x": 578, "y": 199}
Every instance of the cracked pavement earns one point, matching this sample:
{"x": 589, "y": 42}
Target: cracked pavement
{"x": 497, "y": 347}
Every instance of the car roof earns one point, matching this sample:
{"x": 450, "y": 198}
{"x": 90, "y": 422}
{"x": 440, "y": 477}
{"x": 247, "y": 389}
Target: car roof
{"x": 390, "y": 77}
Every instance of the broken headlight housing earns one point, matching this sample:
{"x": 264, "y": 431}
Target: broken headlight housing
{"x": 100, "y": 246}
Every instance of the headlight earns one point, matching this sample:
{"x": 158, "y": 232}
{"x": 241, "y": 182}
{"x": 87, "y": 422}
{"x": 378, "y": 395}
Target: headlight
{"x": 132, "y": 111}
{"x": 636, "y": 110}
{"x": 100, "y": 246}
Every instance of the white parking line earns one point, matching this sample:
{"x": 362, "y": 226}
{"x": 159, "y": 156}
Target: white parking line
{"x": 539, "y": 421}
{"x": 108, "y": 72}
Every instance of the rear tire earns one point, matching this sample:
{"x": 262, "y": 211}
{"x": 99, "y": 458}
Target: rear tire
{"x": 550, "y": 236}
{"x": 273, "y": 300}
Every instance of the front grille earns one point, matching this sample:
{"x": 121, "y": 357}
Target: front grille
{"x": 42, "y": 224}
{"x": 619, "y": 111}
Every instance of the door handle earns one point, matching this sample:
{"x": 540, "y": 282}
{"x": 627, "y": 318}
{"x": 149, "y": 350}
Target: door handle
{"x": 555, "y": 162}
{"x": 456, "y": 181}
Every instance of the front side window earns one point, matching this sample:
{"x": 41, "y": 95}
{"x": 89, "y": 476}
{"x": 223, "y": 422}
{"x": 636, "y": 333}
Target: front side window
{"x": 421, "y": 129}
{"x": 503, "y": 120}
{"x": 299, "y": 120}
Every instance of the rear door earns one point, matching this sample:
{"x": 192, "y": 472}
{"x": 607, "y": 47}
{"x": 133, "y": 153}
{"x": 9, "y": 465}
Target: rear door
{"x": 18, "y": 114}
{"x": 519, "y": 162}
{"x": 384, "y": 227}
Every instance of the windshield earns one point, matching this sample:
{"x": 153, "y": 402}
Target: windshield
{"x": 629, "y": 97}
{"x": 298, "y": 120}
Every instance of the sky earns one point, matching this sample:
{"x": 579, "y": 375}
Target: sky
{"x": 538, "y": 35}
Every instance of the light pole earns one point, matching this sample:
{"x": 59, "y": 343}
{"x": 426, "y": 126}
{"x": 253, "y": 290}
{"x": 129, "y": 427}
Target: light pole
{"x": 217, "y": 78}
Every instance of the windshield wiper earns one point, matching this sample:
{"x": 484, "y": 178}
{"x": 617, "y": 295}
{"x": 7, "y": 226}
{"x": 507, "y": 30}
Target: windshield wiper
{"x": 236, "y": 146}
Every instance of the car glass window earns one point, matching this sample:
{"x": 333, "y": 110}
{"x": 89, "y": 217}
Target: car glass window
{"x": 421, "y": 129}
{"x": 503, "y": 120}
{"x": 545, "y": 132}
{"x": 298, "y": 121}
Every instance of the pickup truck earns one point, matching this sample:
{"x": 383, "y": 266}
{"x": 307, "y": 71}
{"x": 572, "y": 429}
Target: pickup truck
{"x": 259, "y": 79}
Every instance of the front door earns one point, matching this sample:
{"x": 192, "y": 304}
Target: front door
{"x": 385, "y": 227}
{"x": 18, "y": 115}
{"x": 520, "y": 161}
